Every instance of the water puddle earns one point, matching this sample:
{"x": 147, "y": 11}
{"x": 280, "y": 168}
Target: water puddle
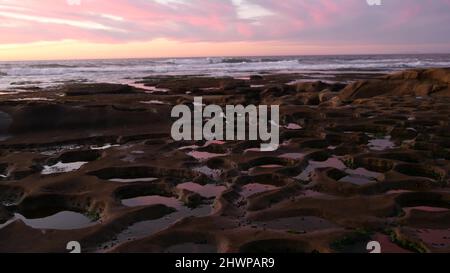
{"x": 270, "y": 166}
{"x": 357, "y": 180}
{"x": 153, "y": 200}
{"x": 62, "y": 167}
{"x": 293, "y": 126}
{"x": 380, "y": 144}
{"x": 104, "y": 147}
{"x": 153, "y": 102}
{"x": 313, "y": 165}
{"x": 211, "y": 173}
{"x": 189, "y": 147}
{"x": 133, "y": 180}
{"x": 215, "y": 142}
{"x": 148, "y": 89}
{"x": 208, "y": 190}
{"x": 149, "y": 227}
{"x": 362, "y": 176}
{"x": 244, "y": 78}
{"x": 387, "y": 246}
{"x": 64, "y": 220}
{"x": 437, "y": 238}
{"x": 207, "y": 143}
{"x": 263, "y": 168}
{"x": 295, "y": 156}
{"x": 33, "y": 99}
{"x": 204, "y": 155}
{"x": 58, "y": 149}
{"x": 359, "y": 176}
{"x": 426, "y": 209}
{"x": 252, "y": 150}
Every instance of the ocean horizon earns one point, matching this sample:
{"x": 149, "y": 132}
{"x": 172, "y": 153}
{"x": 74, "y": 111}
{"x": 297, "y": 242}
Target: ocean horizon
{"x": 25, "y": 75}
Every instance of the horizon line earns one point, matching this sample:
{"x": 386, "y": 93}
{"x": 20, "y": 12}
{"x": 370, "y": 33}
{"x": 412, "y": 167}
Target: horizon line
{"x": 221, "y": 56}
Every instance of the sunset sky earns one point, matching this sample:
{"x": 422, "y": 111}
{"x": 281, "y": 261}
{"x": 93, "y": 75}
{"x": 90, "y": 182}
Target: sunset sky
{"x": 77, "y": 29}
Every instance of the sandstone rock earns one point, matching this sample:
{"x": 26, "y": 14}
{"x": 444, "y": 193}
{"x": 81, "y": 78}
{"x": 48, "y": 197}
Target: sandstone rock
{"x": 404, "y": 75}
{"x": 310, "y": 98}
{"x": 41, "y": 117}
{"x": 326, "y": 95}
{"x": 333, "y": 102}
{"x": 435, "y": 74}
{"x": 275, "y": 91}
{"x": 420, "y": 82}
{"x": 233, "y": 84}
{"x": 256, "y": 78}
{"x": 318, "y": 86}
{"x": 96, "y": 89}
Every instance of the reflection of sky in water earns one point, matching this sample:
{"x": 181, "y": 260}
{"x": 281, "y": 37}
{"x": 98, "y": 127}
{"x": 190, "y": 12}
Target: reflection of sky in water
{"x": 146, "y": 228}
{"x": 208, "y": 190}
{"x": 381, "y": 144}
{"x": 212, "y": 173}
{"x": 330, "y": 162}
{"x": 131, "y": 180}
{"x": 64, "y": 220}
{"x": 292, "y": 155}
{"x": 152, "y": 200}
{"x": 438, "y": 238}
{"x": 362, "y": 176}
{"x": 204, "y": 155}
{"x": 62, "y": 167}
{"x": 359, "y": 176}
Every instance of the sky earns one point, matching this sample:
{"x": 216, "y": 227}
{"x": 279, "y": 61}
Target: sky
{"x": 87, "y": 29}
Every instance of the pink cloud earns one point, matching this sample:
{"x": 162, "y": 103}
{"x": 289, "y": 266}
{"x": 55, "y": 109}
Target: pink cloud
{"x": 305, "y": 21}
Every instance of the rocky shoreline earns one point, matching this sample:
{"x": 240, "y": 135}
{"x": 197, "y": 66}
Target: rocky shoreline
{"x": 364, "y": 157}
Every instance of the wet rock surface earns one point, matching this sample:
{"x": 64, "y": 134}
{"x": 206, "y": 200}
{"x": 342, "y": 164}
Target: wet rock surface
{"x": 431, "y": 82}
{"x": 366, "y": 158}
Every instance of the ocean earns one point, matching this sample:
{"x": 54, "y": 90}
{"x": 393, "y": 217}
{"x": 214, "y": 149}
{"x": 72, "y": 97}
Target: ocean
{"x": 16, "y": 76}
